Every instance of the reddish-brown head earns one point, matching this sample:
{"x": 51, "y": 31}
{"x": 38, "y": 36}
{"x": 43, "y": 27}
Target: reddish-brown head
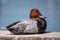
{"x": 34, "y": 13}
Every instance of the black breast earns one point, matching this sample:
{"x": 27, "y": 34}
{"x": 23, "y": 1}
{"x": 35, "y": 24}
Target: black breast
{"x": 41, "y": 29}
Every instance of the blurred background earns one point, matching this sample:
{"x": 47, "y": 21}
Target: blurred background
{"x": 17, "y": 10}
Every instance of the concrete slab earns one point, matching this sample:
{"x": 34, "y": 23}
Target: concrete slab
{"x": 6, "y": 35}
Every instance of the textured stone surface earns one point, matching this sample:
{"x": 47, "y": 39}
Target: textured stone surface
{"x": 6, "y": 35}
{"x": 7, "y": 38}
